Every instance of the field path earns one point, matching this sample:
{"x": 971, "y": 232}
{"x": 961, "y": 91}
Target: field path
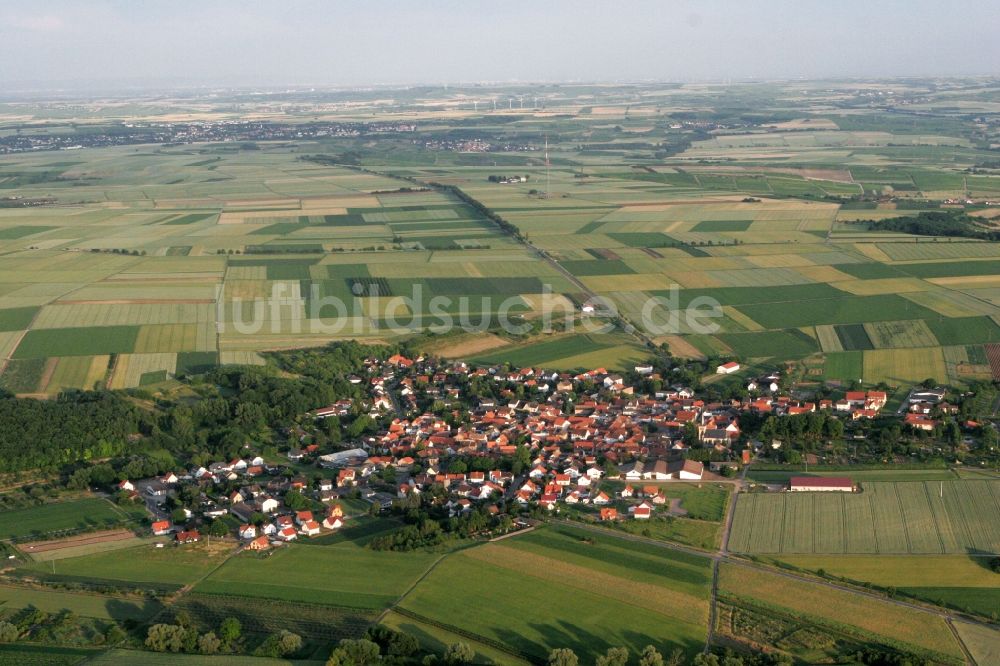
{"x": 958, "y": 639}
{"x": 187, "y": 588}
{"x": 407, "y": 591}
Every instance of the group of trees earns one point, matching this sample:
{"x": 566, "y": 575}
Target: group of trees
{"x": 183, "y": 636}
{"x": 76, "y": 426}
{"x": 937, "y": 223}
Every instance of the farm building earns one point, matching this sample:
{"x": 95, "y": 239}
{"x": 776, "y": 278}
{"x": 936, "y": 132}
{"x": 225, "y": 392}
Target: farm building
{"x": 343, "y": 458}
{"x": 162, "y": 527}
{"x": 727, "y": 368}
{"x": 821, "y": 484}
{"x": 689, "y": 469}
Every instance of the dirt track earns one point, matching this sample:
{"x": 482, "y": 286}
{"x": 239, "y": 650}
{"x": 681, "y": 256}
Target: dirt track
{"x": 78, "y": 540}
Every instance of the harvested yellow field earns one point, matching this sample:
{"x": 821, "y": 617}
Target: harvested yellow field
{"x": 878, "y": 617}
{"x": 175, "y": 337}
{"x": 901, "y": 570}
{"x": 378, "y": 307}
{"x": 872, "y": 251}
{"x": 900, "y": 334}
{"x": 828, "y": 339}
{"x": 694, "y": 279}
{"x": 74, "y": 372}
{"x": 952, "y": 303}
{"x": 468, "y": 345}
{"x": 9, "y": 340}
{"x": 131, "y": 367}
{"x": 741, "y": 319}
{"x": 967, "y": 282}
{"x": 881, "y": 286}
{"x": 241, "y": 358}
{"x": 900, "y": 366}
{"x": 633, "y": 282}
{"x": 247, "y": 289}
{"x": 780, "y": 260}
{"x": 680, "y": 347}
{"x": 823, "y": 273}
{"x": 552, "y": 303}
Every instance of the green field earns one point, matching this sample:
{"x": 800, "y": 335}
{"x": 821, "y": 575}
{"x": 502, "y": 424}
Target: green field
{"x": 47, "y": 519}
{"x": 77, "y": 341}
{"x": 525, "y": 577}
{"x": 959, "y": 581}
{"x": 141, "y": 564}
{"x": 918, "y": 517}
{"x": 843, "y": 610}
{"x": 847, "y": 310}
{"x": 43, "y": 655}
{"x": 122, "y": 657}
{"x": 100, "y": 607}
{"x": 141, "y": 252}
{"x": 293, "y": 574}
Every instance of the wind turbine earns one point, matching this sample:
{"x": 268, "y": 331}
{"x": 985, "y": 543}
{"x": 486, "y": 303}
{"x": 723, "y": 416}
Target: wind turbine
{"x": 547, "y": 181}
{"x": 475, "y": 105}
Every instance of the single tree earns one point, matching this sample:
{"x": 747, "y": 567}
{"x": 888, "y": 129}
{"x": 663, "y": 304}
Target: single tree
{"x": 209, "y": 643}
{"x": 650, "y": 657}
{"x": 616, "y": 656}
{"x": 563, "y": 657}
{"x": 230, "y": 629}
{"x": 458, "y": 654}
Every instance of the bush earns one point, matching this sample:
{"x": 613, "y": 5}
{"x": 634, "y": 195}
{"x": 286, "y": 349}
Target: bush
{"x": 9, "y": 632}
{"x": 279, "y": 645}
{"x": 354, "y": 653}
{"x": 165, "y": 638}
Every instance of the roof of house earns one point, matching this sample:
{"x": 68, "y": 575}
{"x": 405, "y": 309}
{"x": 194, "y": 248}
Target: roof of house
{"x": 821, "y": 481}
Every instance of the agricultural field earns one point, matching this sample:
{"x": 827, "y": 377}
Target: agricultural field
{"x": 840, "y": 610}
{"x": 60, "y": 517}
{"x": 915, "y": 517}
{"x": 290, "y": 574}
{"x": 526, "y": 576}
{"x": 95, "y": 606}
{"x": 124, "y": 657}
{"x": 963, "y": 582}
{"x": 142, "y": 565}
{"x": 144, "y": 255}
{"x": 163, "y": 253}
{"x": 44, "y": 655}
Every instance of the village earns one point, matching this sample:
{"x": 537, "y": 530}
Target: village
{"x": 500, "y": 441}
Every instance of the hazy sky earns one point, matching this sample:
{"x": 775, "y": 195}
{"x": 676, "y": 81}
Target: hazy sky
{"x": 242, "y": 42}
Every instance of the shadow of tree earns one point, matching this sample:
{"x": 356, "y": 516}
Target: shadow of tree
{"x": 121, "y": 610}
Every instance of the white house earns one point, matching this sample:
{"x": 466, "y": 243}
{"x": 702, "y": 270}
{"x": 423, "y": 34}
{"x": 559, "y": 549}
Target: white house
{"x": 727, "y": 368}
